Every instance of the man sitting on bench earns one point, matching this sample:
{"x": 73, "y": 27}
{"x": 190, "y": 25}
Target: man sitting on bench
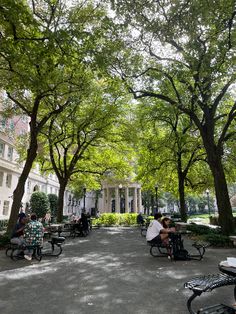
{"x": 156, "y": 233}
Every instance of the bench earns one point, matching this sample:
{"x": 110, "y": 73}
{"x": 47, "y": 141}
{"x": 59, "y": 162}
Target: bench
{"x": 54, "y": 241}
{"x": 13, "y": 251}
{"x": 207, "y": 283}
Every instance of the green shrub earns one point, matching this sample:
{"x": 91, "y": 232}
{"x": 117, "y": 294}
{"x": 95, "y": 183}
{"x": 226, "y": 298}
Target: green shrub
{"x": 218, "y": 240}
{"x": 111, "y": 219}
{"x": 3, "y": 224}
{"x": 108, "y": 219}
{"x": 39, "y": 204}
{"x": 4, "y": 240}
{"x": 201, "y": 229}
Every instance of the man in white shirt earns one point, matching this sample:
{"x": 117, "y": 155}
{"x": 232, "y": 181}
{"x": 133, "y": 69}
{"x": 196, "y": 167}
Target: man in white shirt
{"x": 156, "y": 232}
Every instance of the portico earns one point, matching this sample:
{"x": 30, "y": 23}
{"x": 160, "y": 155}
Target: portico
{"x": 121, "y": 198}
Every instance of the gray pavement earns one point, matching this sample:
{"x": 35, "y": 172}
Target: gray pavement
{"x": 108, "y": 272}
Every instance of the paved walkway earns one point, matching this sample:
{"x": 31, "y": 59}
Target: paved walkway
{"x": 109, "y": 272}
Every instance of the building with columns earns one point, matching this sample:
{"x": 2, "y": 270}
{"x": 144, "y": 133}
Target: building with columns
{"x": 121, "y": 197}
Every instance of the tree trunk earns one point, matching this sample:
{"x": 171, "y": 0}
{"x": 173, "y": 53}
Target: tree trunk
{"x": 222, "y": 196}
{"x": 214, "y": 154}
{"x": 20, "y": 188}
{"x": 182, "y": 204}
{"x": 63, "y": 184}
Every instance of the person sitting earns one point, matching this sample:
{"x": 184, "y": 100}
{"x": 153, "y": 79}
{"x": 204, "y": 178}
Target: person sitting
{"x": 18, "y": 231}
{"x": 156, "y": 233}
{"x": 166, "y": 221}
{"x": 33, "y": 234}
{"x": 140, "y": 219}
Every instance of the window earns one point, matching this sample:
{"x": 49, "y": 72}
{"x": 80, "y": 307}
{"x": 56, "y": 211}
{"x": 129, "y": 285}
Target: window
{"x": 3, "y": 124}
{"x": 1, "y": 178}
{"x": 8, "y": 180}
{"x": 11, "y": 125}
{"x": 10, "y": 153}
{"x": 29, "y": 186}
{"x": 6, "y": 205}
{"x": 2, "y": 149}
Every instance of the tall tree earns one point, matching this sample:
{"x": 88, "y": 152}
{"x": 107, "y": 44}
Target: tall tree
{"x": 188, "y": 61}
{"x": 78, "y": 137}
{"x": 169, "y": 144}
{"x": 45, "y": 58}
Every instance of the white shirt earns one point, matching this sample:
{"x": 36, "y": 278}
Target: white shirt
{"x": 153, "y": 230}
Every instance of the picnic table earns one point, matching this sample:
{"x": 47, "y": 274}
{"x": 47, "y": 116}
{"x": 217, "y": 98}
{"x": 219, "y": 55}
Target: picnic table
{"x": 206, "y": 283}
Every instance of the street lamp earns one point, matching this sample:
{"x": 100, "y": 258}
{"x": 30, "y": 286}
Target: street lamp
{"x": 120, "y": 190}
{"x": 84, "y": 189}
{"x": 156, "y": 188}
{"x": 208, "y": 202}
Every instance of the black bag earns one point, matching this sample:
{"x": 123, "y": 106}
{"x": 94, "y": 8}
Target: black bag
{"x": 181, "y": 255}
{"x": 179, "y": 252}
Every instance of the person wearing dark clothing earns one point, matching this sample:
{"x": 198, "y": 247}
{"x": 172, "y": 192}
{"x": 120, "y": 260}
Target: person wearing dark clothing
{"x": 84, "y": 222}
{"x": 140, "y": 219}
{"x": 18, "y": 231}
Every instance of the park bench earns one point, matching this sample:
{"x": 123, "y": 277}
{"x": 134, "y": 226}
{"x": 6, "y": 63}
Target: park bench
{"x": 13, "y": 250}
{"x": 55, "y": 242}
{"x": 56, "y": 248}
{"x": 207, "y": 283}
{"x": 175, "y": 250}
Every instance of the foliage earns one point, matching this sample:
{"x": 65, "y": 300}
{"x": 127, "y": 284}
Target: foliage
{"x": 218, "y": 240}
{"x": 53, "y": 200}
{"x": 4, "y": 240}
{"x": 110, "y": 219}
{"x": 3, "y": 224}
{"x": 39, "y": 204}
{"x": 201, "y": 229}
{"x": 183, "y": 55}
{"x": 212, "y": 236}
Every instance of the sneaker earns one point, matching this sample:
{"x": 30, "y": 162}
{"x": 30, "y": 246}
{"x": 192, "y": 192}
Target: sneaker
{"x": 29, "y": 258}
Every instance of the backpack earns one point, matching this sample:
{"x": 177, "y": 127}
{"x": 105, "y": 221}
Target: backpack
{"x": 179, "y": 252}
{"x": 181, "y": 255}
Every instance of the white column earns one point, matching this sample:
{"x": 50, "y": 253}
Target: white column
{"x": 139, "y": 200}
{"x": 117, "y": 200}
{"x": 126, "y": 199}
{"x": 135, "y": 200}
{"x": 108, "y": 200}
{"x": 104, "y": 200}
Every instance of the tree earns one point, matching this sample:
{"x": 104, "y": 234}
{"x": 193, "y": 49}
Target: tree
{"x": 53, "y": 201}
{"x": 48, "y": 53}
{"x": 39, "y": 204}
{"x": 78, "y": 138}
{"x": 188, "y": 61}
{"x": 169, "y": 144}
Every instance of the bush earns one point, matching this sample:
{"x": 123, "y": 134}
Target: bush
{"x": 39, "y": 204}
{"x": 201, "y": 229}
{"x": 109, "y": 219}
{"x": 3, "y": 224}
{"x": 4, "y": 240}
{"x": 218, "y": 240}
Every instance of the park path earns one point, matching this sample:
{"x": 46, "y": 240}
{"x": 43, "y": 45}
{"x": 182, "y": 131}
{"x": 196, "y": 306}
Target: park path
{"x": 108, "y": 272}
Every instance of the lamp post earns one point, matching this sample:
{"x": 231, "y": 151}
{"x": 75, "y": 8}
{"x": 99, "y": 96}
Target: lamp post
{"x": 208, "y": 202}
{"x": 84, "y": 189}
{"x": 156, "y": 188}
{"x": 120, "y": 190}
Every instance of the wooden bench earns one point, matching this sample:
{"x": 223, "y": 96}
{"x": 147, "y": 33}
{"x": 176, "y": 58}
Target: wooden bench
{"x": 207, "y": 283}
